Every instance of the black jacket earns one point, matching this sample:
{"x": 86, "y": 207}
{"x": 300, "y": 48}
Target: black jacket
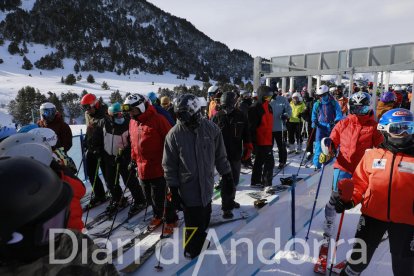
{"x": 94, "y": 141}
{"x": 235, "y": 130}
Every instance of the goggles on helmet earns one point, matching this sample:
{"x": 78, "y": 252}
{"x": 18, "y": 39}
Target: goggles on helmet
{"x": 359, "y": 109}
{"x": 87, "y": 107}
{"x": 48, "y": 112}
{"x": 398, "y": 128}
{"x": 126, "y": 107}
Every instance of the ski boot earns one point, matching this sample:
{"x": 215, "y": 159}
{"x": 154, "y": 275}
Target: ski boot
{"x": 228, "y": 214}
{"x": 135, "y": 209}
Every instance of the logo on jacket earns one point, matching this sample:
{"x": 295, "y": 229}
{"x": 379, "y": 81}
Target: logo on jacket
{"x": 379, "y": 164}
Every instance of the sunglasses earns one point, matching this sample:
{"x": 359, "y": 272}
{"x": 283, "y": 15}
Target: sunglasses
{"x": 398, "y": 128}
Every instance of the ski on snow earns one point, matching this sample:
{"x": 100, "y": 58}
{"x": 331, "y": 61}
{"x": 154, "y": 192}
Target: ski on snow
{"x": 322, "y": 262}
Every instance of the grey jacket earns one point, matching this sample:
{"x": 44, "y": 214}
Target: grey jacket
{"x": 189, "y": 159}
{"x": 280, "y": 105}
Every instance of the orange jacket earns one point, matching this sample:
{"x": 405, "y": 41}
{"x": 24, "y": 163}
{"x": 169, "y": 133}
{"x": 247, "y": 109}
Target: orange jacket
{"x": 383, "y": 107}
{"x": 354, "y": 135}
{"x": 212, "y": 109}
{"x": 343, "y": 103}
{"x": 383, "y": 182}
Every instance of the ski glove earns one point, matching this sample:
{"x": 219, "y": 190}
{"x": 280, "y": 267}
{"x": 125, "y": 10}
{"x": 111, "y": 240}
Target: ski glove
{"x": 247, "y": 151}
{"x": 341, "y": 205}
{"x": 132, "y": 165}
{"x": 174, "y": 197}
{"x": 325, "y": 158}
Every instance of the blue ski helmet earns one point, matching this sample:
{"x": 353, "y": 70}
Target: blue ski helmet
{"x": 397, "y": 125}
{"x": 6, "y": 131}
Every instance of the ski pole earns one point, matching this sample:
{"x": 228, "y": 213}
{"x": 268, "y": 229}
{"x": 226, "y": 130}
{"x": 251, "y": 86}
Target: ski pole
{"x": 93, "y": 189}
{"x": 158, "y": 267}
{"x": 122, "y": 197}
{"x": 80, "y": 165}
{"x": 293, "y": 208}
{"x": 336, "y": 242}
{"x": 303, "y": 156}
{"x": 314, "y": 203}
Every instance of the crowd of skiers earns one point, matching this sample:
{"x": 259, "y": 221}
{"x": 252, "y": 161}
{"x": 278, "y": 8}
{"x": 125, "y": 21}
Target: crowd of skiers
{"x": 167, "y": 154}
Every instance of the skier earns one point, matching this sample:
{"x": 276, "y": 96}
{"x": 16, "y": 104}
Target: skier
{"x": 31, "y": 204}
{"x": 235, "y": 130}
{"x": 192, "y": 149}
{"x": 399, "y": 96}
{"x": 298, "y": 107}
{"x": 351, "y": 136}
{"x": 281, "y": 113}
{"x": 261, "y": 125}
{"x": 386, "y": 103}
{"x": 152, "y": 99}
{"x": 95, "y": 119}
{"x": 307, "y": 117}
{"x": 33, "y": 146}
{"x": 211, "y": 110}
{"x": 383, "y": 185}
{"x": 342, "y": 100}
{"x": 245, "y": 101}
{"x": 167, "y": 105}
{"x": 51, "y": 118}
{"x": 147, "y": 130}
{"x": 326, "y": 113}
{"x": 117, "y": 156}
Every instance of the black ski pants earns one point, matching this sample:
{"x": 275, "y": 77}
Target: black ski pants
{"x": 263, "y": 166}
{"x": 401, "y": 239}
{"x": 155, "y": 195}
{"x": 281, "y": 146}
{"x": 311, "y": 138}
{"x": 92, "y": 170}
{"x": 196, "y": 221}
{"x": 294, "y": 133}
{"x": 129, "y": 178}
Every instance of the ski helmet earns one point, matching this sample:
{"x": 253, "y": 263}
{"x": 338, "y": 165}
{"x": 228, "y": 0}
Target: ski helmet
{"x": 48, "y": 135}
{"x": 228, "y": 101}
{"x": 404, "y": 87}
{"x": 188, "y": 110}
{"x": 29, "y": 145}
{"x": 359, "y": 103}
{"x": 264, "y": 93}
{"x": 212, "y": 90}
{"x": 397, "y": 88}
{"x": 88, "y": 101}
{"x": 48, "y": 111}
{"x": 27, "y": 128}
{"x": 397, "y": 125}
{"x": 114, "y": 108}
{"x": 6, "y": 131}
{"x": 388, "y": 97}
{"x": 152, "y": 97}
{"x": 322, "y": 90}
{"x": 31, "y": 203}
{"x": 296, "y": 94}
{"x": 245, "y": 94}
{"x": 304, "y": 89}
{"x": 332, "y": 89}
{"x": 135, "y": 100}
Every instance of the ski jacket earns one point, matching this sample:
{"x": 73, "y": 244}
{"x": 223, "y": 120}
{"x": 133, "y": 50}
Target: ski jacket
{"x": 244, "y": 106}
{"x": 189, "y": 160}
{"x": 165, "y": 113}
{"x": 280, "y": 105}
{"x": 81, "y": 264}
{"x": 62, "y": 130}
{"x": 261, "y": 123}
{"x": 116, "y": 137}
{"x": 399, "y": 99}
{"x": 326, "y": 112}
{"x": 343, "y": 103}
{"x": 353, "y": 135}
{"x": 307, "y": 114}
{"x": 383, "y": 183}
{"x": 235, "y": 130}
{"x": 296, "y": 110}
{"x": 94, "y": 130}
{"x": 212, "y": 109}
{"x": 383, "y": 107}
{"x": 147, "y": 136}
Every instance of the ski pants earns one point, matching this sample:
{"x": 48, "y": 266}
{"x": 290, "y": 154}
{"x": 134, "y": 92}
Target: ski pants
{"x": 311, "y": 138}
{"x": 227, "y": 200}
{"x": 92, "y": 170}
{"x": 278, "y": 137}
{"x": 263, "y": 166}
{"x": 330, "y": 213}
{"x": 155, "y": 195}
{"x": 371, "y": 231}
{"x": 294, "y": 133}
{"x": 196, "y": 221}
{"x": 321, "y": 132}
{"x": 128, "y": 177}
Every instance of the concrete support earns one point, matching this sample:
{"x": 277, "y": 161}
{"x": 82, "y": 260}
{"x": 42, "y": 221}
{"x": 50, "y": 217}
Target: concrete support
{"x": 374, "y": 95}
{"x": 257, "y": 68}
{"x": 382, "y": 89}
{"x": 351, "y": 83}
{"x": 310, "y": 86}
{"x": 412, "y": 100}
{"x": 387, "y": 80}
{"x": 318, "y": 82}
{"x": 284, "y": 85}
{"x": 292, "y": 84}
{"x": 339, "y": 79}
{"x": 268, "y": 81}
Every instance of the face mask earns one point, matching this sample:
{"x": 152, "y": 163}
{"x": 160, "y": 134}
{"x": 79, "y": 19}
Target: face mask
{"x": 325, "y": 97}
{"x": 119, "y": 121}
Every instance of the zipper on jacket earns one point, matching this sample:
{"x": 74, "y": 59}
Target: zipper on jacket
{"x": 389, "y": 187}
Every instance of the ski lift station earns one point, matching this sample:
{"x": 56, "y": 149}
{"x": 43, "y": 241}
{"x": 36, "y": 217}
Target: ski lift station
{"x": 377, "y": 59}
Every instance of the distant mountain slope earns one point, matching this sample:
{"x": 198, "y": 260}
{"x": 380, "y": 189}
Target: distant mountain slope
{"x": 125, "y": 36}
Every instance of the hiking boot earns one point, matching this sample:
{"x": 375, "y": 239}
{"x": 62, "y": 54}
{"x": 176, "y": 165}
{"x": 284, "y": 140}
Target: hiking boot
{"x": 168, "y": 229}
{"x": 236, "y": 205}
{"x": 228, "y": 214}
{"x": 135, "y": 209}
{"x": 155, "y": 222}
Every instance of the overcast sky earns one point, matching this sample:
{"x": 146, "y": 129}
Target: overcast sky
{"x": 269, "y": 28}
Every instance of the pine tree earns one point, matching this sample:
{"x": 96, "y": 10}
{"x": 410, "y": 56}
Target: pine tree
{"x": 90, "y": 79}
{"x": 25, "y": 107}
{"x": 105, "y": 86}
{"x": 115, "y": 97}
{"x": 13, "y": 48}
{"x": 72, "y": 103}
{"x": 54, "y": 99}
{"x": 70, "y": 79}
{"x": 27, "y": 65}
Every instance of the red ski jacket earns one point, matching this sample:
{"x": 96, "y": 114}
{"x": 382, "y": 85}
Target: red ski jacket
{"x": 354, "y": 135}
{"x": 147, "y": 142}
{"x": 383, "y": 182}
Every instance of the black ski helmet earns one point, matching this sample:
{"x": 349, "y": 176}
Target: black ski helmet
{"x": 263, "y": 91}
{"x": 31, "y": 203}
{"x": 188, "y": 110}
{"x": 359, "y": 103}
{"x": 228, "y": 101}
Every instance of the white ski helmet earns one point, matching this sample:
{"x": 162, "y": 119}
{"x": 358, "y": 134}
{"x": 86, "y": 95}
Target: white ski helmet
{"x": 296, "y": 94}
{"x": 322, "y": 90}
{"x": 48, "y": 135}
{"x": 332, "y": 89}
{"x": 136, "y": 100}
{"x": 397, "y": 88}
{"x": 29, "y": 145}
{"x": 48, "y": 111}
{"x": 403, "y": 87}
{"x": 212, "y": 89}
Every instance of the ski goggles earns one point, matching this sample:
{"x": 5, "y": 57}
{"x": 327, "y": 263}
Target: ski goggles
{"x": 48, "y": 112}
{"x": 126, "y": 107}
{"x": 359, "y": 109}
{"x": 398, "y": 128}
{"x": 87, "y": 107}
{"x": 267, "y": 98}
